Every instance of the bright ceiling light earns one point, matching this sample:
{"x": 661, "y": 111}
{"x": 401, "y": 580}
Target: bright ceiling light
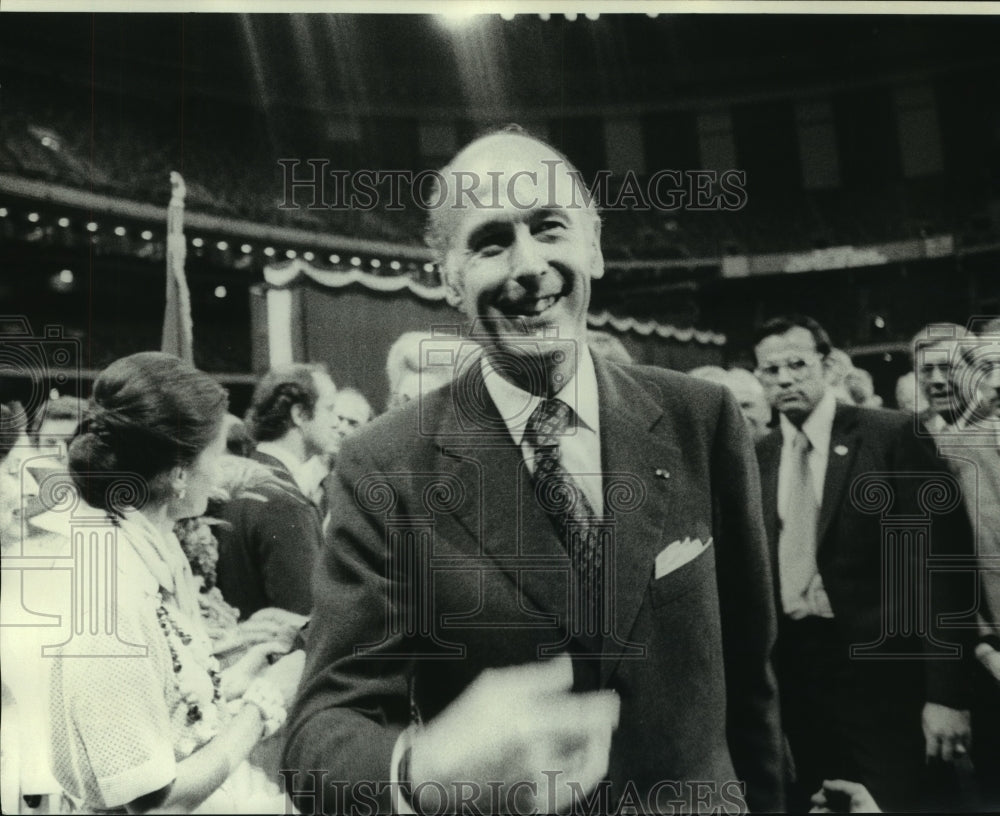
{"x": 458, "y": 14}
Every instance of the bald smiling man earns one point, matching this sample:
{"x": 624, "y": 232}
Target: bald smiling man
{"x": 547, "y": 584}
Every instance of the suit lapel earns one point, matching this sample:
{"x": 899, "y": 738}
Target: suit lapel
{"x": 500, "y": 516}
{"x": 279, "y": 469}
{"x": 635, "y": 444}
{"x": 769, "y": 460}
{"x": 503, "y": 518}
{"x": 844, "y": 443}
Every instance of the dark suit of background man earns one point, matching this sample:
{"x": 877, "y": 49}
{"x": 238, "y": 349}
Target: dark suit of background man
{"x": 869, "y": 717}
{"x": 959, "y": 374}
{"x": 270, "y": 543}
{"x": 523, "y": 662}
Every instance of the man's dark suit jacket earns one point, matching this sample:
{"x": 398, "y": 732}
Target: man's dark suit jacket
{"x": 875, "y": 457}
{"x": 269, "y": 545}
{"x": 699, "y": 704}
{"x": 878, "y": 474}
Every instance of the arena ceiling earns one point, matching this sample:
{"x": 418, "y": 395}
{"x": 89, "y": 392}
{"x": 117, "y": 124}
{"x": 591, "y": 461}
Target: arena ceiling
{"x": 394, "y": 64}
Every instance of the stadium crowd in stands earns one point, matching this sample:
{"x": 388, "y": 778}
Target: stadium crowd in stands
{"x": 52, "y": 140}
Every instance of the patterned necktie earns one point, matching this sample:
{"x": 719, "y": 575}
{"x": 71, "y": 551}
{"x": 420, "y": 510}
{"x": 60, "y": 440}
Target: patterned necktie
{"x": 797, "y": 542}
{"x": 566, "y": 504}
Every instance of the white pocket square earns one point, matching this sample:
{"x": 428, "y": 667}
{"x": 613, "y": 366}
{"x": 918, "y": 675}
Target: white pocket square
{"x": 678, "y": 553}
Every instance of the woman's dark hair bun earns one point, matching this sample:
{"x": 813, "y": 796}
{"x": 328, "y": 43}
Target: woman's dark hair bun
{"x": 149, "y": 413}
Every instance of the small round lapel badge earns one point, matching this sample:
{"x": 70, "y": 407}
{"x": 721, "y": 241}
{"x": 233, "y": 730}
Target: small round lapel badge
{"x": 840, "y": 450}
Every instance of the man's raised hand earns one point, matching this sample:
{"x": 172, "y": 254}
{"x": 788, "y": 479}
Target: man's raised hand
{"x": 518, "y": 740}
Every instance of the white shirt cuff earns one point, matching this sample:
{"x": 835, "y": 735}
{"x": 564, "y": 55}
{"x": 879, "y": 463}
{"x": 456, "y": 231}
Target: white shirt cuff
{"x": 399, "y": 804}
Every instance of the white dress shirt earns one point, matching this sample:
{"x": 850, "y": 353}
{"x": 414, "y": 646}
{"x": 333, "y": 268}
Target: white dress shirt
{"x": 580, "y": 448}
{"x": 818, "y": 428}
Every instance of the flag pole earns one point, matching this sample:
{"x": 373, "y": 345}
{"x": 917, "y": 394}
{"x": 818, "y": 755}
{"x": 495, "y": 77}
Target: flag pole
{"x": 178, "y": 328}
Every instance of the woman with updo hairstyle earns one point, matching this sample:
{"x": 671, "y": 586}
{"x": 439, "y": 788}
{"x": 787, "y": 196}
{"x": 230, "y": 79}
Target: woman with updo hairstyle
{"x": 149, "y": 414}
{"x": 148, "y": 722}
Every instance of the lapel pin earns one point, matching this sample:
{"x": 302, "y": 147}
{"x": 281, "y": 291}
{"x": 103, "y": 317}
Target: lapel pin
{"x": 840, "y": 450}
{"x": 662, "y": 474}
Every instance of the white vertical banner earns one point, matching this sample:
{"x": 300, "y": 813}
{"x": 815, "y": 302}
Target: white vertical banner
{"x": 279, "y": 327}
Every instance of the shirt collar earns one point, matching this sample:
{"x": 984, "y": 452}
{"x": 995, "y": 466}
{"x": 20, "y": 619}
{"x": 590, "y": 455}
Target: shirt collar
{"x": 288, "y": 459}
{"x": 935, "y": 423}
{"x": 516, "y": 405}
{"x": 312, "y": 473}
{"x": 818, "y": 426}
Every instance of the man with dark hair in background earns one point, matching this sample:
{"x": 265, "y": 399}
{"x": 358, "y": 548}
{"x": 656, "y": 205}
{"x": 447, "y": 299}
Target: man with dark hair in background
{"x": 862, "y": 697}
{"x": 353, "y": 412}
{"x": 269, "y": 544}
{"x": 602, "y": 626}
